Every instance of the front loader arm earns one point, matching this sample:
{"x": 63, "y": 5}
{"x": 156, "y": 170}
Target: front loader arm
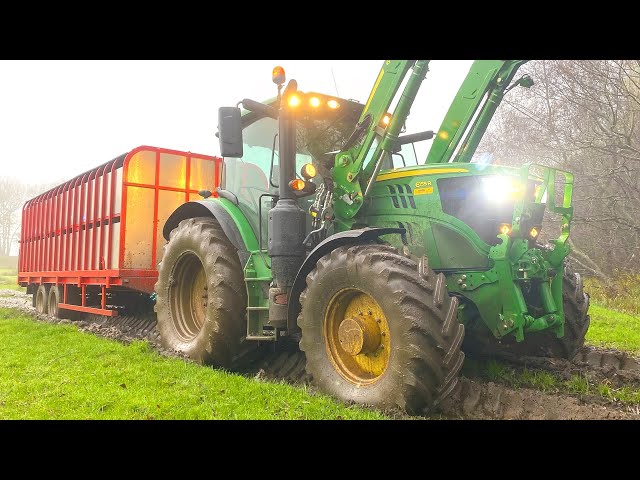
{"x": 358, "y": 163}
{"x": 487, "y": 79}
{"x": 351, "y": 175}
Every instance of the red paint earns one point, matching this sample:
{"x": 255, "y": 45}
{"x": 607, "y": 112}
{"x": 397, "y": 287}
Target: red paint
{"x": 50, "y": 254}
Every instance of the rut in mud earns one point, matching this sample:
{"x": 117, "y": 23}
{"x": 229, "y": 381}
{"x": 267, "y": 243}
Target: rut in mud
{"x": 483, "y": 401}
{"x": 473, "y": 399}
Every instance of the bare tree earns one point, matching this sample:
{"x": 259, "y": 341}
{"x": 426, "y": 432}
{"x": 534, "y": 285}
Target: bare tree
{"x": 12, "y": 196}
{"x": 584, "y": 117}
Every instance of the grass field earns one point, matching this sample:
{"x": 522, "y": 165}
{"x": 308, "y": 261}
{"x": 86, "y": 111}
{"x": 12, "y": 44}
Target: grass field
{"x": 615, "y": 314}
{"x": 8, "y": 280}
{"x": 613, "y": 329}
{"x": 57, "y": 372}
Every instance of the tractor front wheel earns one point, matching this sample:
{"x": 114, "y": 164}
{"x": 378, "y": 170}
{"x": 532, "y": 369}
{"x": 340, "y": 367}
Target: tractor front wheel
{"x": 201, "y": 297}
{"x": 575, "y": 304}
{"x": 377, "y": 331}
{"x": 543, "y": 344}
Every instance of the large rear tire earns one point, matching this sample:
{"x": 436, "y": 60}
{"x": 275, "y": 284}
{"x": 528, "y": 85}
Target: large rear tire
{"x": 377, "y": 331}
{"x": 201, "y": 297}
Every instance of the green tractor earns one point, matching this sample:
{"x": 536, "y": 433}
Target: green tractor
{"x": 327, "y": 230}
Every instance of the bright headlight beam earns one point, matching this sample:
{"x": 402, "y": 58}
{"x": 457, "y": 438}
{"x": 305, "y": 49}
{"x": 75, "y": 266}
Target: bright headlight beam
{"x": 500, "y": 188}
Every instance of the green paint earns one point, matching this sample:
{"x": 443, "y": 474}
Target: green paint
{"x": 514, "y": 287}
{"x": 491, "y": 278}
{"x": 257, "y": 271}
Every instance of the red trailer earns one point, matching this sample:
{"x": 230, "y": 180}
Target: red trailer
{"x": 93, "y": 243}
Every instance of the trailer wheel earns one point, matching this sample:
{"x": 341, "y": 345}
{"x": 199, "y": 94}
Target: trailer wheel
{"x": 376, "y": 332}
{"x": 42, "y": 296}
{"x": 53, "y": 299}
{"x": 201, "y": 297}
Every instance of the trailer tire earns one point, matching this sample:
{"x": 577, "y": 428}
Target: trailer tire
{"x": 42, "y": 298}
{"x": 201, "y": 296}
{"x": 406, "y": 349}
{"x": 53, "y": 299}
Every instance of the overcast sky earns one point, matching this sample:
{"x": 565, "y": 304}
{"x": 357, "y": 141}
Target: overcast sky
{"x": 61, "y": 118}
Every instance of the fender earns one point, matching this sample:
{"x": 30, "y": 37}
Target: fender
{"x": 348, "y": 237}
{"x": 234, "y": 225}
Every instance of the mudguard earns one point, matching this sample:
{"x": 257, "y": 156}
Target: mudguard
{"x": 348, "y": 237}
{"x": 231, "y": 219}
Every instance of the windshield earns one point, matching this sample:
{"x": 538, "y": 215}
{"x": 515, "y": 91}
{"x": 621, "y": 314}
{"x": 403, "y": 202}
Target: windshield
{"x": 251, "y": 177}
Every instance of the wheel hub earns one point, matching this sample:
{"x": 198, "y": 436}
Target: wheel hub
{"x": 358, "y": 335}
{"x": 189, "y": 296}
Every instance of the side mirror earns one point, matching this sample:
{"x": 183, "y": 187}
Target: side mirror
{"x": 230, "y": 132}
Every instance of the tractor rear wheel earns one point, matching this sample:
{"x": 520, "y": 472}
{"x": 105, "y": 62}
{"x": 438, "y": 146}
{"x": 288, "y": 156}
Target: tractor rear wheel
{"x": 377, "y": 331}
{"x": 42, "y": 296}
{"x": 201, "y": 297}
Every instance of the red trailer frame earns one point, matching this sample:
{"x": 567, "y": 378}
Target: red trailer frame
{"x": 82, "y": 233}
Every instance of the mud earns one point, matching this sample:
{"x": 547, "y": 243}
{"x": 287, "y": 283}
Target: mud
{"x": 482, "y": 401}
{"x": 597, "y": 365}
{"x": 473, "y": 399}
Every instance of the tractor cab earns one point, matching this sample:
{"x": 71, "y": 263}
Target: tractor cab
{"x": 323, "y": 123}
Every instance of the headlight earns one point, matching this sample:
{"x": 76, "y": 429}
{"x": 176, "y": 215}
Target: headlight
{"x": 499, "y": 188}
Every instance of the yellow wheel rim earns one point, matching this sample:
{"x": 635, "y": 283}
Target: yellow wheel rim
{"x": 357, "y": 336}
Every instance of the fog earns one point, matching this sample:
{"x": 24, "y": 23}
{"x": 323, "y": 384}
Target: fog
{"x": 60, "y": 118}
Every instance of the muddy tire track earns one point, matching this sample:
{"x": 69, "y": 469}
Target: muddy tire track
{"x": 598, "y": 365}
{"x": 483, "y": 401}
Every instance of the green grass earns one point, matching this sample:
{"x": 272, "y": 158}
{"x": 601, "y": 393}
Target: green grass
{"x": 57, "y": 372}
{"x": 8, "y": 280}
{"x": 498, "y": 372}
{"x": 615, "y": 313}
{"x": 613, "y": 329}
